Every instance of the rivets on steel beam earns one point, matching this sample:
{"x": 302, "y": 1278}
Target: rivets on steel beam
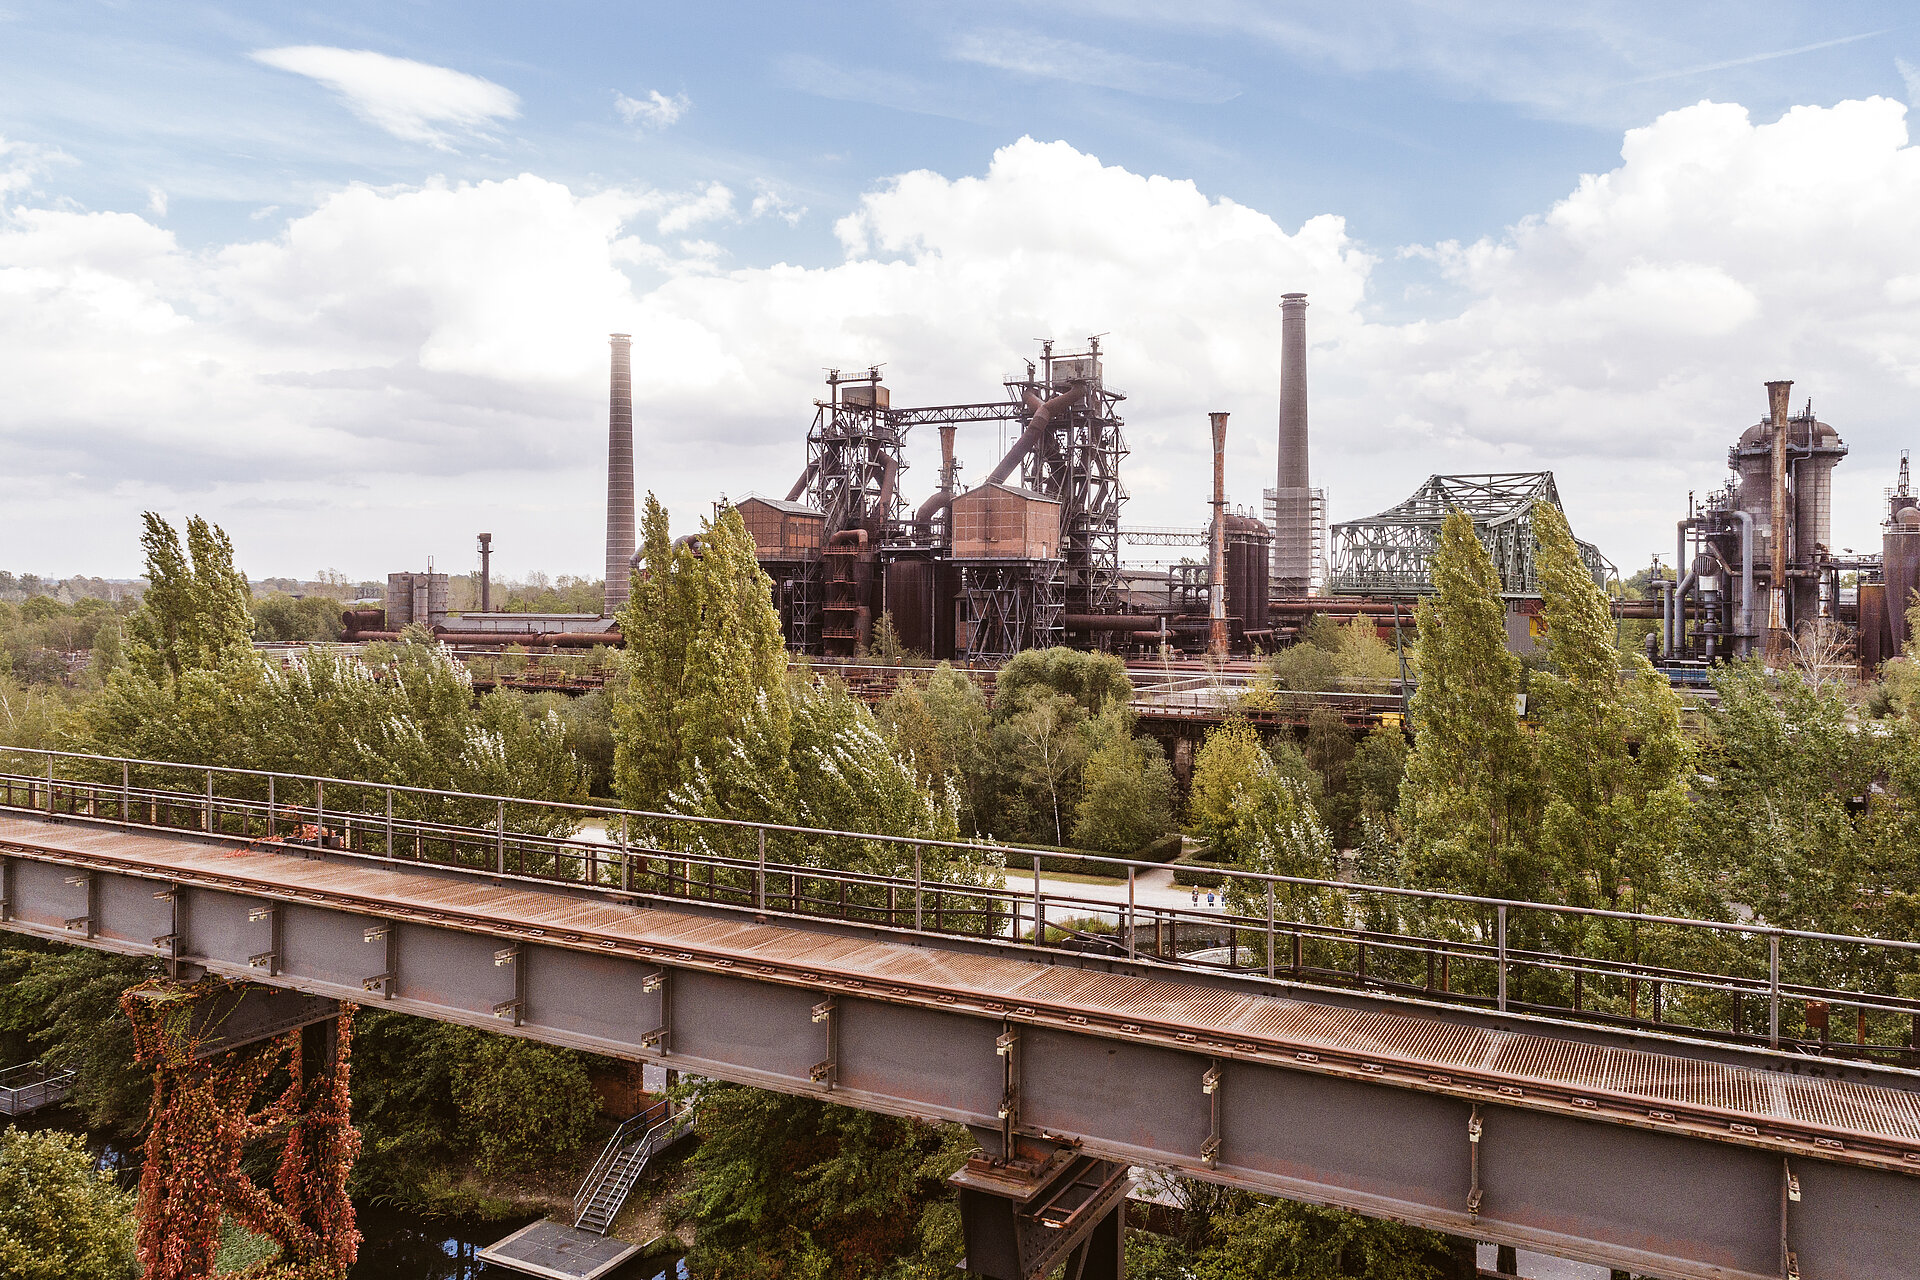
{"x": 1665, "y": 1117}
{"x": 1307, "y": 1057}
{"x": 1750, "y": 1130}
{"x": 1832, "y": 1144}
{"x": 1373, "y": 1068}
{"x": 1587, "y": 1103}
{"x": 1513, "y": 1090}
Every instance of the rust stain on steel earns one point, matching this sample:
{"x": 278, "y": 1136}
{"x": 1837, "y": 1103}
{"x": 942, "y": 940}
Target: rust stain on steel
{"x": 1844, "y": 1120}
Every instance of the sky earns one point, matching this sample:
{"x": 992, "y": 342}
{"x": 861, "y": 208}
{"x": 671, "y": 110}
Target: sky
{"x": 340, "y": 277}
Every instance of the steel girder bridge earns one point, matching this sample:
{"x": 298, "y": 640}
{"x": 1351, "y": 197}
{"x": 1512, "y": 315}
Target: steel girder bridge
{"x": 1439, "y": 1063}
{"x": 1391, "y": 554}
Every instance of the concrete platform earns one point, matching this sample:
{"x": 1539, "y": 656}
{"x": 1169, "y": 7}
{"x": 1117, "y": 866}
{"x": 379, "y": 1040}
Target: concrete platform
{"x": 556, "y": 1251}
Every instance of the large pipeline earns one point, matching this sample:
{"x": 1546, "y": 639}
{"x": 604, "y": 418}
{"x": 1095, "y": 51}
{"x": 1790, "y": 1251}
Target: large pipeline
{"x": 1043, "y": 411}
{"x": 800, "y": 485}
{"x": 942, "y": 499}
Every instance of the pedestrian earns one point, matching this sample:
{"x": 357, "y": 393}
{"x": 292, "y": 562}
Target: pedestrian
{"x": 1196, "y": 895}
{"x": 1209, "y": 898}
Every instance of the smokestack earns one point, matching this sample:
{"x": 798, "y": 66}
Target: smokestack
{"x": 1217, "y": 579}
{"x": 1293, "y": 506}
{"x": 620, "y": 541}
{"x": 1778, "y": 637}
{"x": 486, "y": 573}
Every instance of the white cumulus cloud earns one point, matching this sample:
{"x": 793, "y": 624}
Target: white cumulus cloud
{"x": 655, "y": 111}
{"x": 410, "y": 100}
{"x": 400, "y": 366}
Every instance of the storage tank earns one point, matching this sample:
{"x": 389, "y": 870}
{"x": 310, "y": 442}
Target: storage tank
{"x": 1249, "y": 549}
{"x": 1900, "y": 565}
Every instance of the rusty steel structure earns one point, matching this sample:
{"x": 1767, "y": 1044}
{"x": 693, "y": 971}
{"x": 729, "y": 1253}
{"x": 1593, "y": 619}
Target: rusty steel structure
{"x": 1754, "y": 561}
{"x": 1391, "y": 554}
{"x": 865, "y": 554}
{"x": 1692, "y": 1123}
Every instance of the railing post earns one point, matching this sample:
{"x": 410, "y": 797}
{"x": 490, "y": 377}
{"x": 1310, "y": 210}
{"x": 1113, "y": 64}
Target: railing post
{"x": 273, "y": 822}
{"x": 1131, "y": 948}
{"x": 126, "y": 791}
{"x": 500, "y": 840}
{"x": 50, "y": 786}
{"x": 626, "y": 858}
{"x": 760, "y": 875}
{"x": 319, "y": 813}
{"x": 1039, "y": 911}
{"x": 1773, "y": 990}
{"x": 389, "y": 822}
{"x": 207, "y": 821}
{"x": 1500, "y": 926}
{"x": 918, "y": 910}
{"x": 1270, "y": 938}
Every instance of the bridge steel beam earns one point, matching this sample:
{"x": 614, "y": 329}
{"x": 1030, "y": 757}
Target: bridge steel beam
{"x": 753, "y": 1002}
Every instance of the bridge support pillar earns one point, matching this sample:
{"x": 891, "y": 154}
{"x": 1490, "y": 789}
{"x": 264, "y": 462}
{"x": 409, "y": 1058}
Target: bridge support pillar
{"x": 1022, "y": 1218}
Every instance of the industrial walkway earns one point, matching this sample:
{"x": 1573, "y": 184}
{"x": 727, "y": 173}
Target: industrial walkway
{"x": 1663, "y": 1150}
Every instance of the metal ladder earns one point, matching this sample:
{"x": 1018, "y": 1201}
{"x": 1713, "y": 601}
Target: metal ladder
{"x": 622, "y": 1162}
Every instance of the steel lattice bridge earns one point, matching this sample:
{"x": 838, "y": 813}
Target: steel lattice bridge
{"x": 1423, "y": 1057}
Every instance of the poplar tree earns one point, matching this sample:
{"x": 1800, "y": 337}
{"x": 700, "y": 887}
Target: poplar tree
{"x": 1613, "y": 814}
{"x": 194, "y": 615}
{"x": 1467, "y": 801}
{"x": 705, "y": 657}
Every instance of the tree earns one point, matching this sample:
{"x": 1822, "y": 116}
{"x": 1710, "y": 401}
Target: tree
{"x": 521, "y": 1103}
{"x": 1613, "y": 815}
{"x": 704, "y": 653}
{"x": 1281, "y": 1240}
{"x": 1094, "y": 681}
{"x": 1126, "y": 792}
{"x": 796, "y": 1187}
{"x": 64, "y": 1003}
{"x": 60, "y": 1218}
{"x": 195, "y": 612}
{"x": 1467, "y": 801}
{"x": 1047, "y": 749}
{"x": 946, "y": 731}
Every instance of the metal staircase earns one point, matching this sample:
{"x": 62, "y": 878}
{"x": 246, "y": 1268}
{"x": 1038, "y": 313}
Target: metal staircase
{"x": 633, "y": 1144}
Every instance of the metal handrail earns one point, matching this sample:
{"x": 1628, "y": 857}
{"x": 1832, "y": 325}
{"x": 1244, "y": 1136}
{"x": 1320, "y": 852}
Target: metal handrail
{"x": 485, "y": 848}
{"x": 650, "y": 1141}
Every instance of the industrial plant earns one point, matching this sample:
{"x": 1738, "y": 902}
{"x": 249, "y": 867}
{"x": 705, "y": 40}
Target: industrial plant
{"x": 1031, "y": 555}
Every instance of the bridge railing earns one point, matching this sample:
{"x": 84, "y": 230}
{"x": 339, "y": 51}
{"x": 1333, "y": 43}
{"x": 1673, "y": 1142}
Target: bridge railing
{"x": 1738, "y": 980}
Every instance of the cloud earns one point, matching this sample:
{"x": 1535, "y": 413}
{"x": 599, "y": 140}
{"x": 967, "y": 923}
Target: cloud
{"x": 406, "y": 98}
{"x": 1911, "y": 74}
{"x": 423, "y": 361}
{"x": 157, "y": 202}
{"x": 655, "y": 111}
{"x": 1068, "y": 61}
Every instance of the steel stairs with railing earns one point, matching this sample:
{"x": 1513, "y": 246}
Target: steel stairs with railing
{"x": 638, "y": 1139}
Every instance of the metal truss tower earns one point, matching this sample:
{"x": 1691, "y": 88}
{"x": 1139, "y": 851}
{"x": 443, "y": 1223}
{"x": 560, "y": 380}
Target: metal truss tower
{"x": 1391, "y": 554}
{"x": 1077, "y": 463}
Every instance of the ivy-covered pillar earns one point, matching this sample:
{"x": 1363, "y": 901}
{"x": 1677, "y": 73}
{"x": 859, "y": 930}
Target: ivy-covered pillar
{"x": 208, "y": 1106}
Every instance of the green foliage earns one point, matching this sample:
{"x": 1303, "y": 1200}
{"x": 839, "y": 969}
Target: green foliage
{"x": 1613, "y": 815}
{"x": 1095, "y": 682}
{"x": 943, "y": 728}
{"x": 521, "y": 1102}
{"x": 794, "y": 1187}
{"x": 704, "y": 653}
{"x": 1282, "y": 1240}
{"x": 59, "y": 1218}
{"x": 194, "y": 615}
{"x": 281, "y": 617}
{"x": 1468, "y": 801}
{"x": 431, "y": 1096}
{"x": 410, "y": 719}
{"x": 62, "y": 1005}
{"x": 1126, "y": 793}
{"x": 1334, "y": 656}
